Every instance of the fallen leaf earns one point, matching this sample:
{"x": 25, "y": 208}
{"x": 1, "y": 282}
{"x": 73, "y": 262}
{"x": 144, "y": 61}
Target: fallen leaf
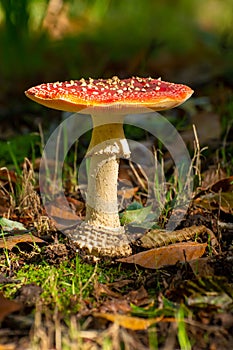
{"x": 7, "y": 306}
{"x": 11, "y": 241}
{"x": 219, "y": 300}
{"x": 114, "y": 305}
{"x": 216, "y": 201}
{"x": 125, "y": 193}
{"x": 101, "y": 288}
{"x": 136, "y": 213}
{"x": 62, "y": 213}
{"x": 129, "y": 322}
{"x": 123, "y": 303}
{"x": 138, "y": 297}
{"x": 202, "y": 267}
{"x": 119, "y": 284}
{"x": 168, "y": 255}
{"x": 159, "y": 238}
{"x": 9, "y": 225}
{"x": 223, "y": 185}
{"x": 219, "y": 196}
{"x": 76, "y": 204}
{"x": 60, "y": 208}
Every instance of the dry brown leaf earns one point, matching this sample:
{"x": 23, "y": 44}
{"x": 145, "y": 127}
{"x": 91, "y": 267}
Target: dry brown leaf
{"x": 129, "y": 322}
{"x": 55, "y": 211}
{"x": 138, "y": 297}
{"x": 123, "y": 302}
{"x": 120, "y": 283}
{"x": 169, "y": 255}
{"x": 101, "y": 288}
{"x": 216, "y": 201}
{"x": 159, "y": 238}
{"x": 7, "y": 306}
{"x": 76, "y": 204}
{"x": 223, "y": 185}
{"x": 62, "y": 214}
{"x": 11, "y": 241}
{"x": 219, "y": 196}
{"x": 127, "y": 193}
{"x": 202, "y": 267}
{"x": 65, "y": 211}
{"x": 114, "y": 305}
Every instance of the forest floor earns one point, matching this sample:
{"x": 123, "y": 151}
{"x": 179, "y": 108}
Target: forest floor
{"x": 178, "y": 296}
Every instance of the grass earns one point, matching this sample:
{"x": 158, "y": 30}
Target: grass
{"x": 181, "y": 332}
{"x": 71, "y": 289}
{"x": 65, "y": 286}
{"x": 197, "y": 303}
{"x": 11, "y": 153}
{"x": 60, "y": 284}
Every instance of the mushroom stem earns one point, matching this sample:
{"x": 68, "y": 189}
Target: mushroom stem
{"x": 101, "y": 207}
{"x": 107, "y": 100}
{"x": 107, "y": 145}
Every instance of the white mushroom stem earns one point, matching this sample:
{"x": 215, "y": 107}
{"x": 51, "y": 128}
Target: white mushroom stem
{"x": 107, "y": 146}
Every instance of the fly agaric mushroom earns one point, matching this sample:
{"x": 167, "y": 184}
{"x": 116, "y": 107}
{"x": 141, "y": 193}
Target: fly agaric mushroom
{"x": 110, "y": 100}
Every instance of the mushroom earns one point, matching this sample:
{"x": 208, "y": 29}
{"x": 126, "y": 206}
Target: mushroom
{"x": 110, "y": 100}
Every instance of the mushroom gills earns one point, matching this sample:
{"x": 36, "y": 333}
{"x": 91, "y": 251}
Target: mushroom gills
{"x": 108, "y": 101}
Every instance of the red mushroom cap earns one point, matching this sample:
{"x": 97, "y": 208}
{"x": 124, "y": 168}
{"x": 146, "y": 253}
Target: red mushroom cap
{"x": 76, "y": 95}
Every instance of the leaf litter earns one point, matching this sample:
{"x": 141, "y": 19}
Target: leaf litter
{"x": 191, "y": 266}
{"x": 116, "y": 306}
{"x": 168, "y": 255}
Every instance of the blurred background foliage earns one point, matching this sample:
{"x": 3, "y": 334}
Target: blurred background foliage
{"x": 58, "y": 39}
{"x": 186, "y": 41}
